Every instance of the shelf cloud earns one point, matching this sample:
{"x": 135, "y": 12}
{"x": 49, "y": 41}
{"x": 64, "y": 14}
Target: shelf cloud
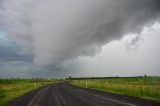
{"x": 55, "y": 31}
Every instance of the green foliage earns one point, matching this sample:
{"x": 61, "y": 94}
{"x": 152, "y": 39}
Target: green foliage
{"x": 2, "y": 93}
{"x": 145, "y": 87}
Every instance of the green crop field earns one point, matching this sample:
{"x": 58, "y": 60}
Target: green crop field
{"x": 144, "y": 87}
{"x": 10, "y": 89}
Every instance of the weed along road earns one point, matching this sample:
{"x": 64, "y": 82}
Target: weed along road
{"x": 64, "y": 94}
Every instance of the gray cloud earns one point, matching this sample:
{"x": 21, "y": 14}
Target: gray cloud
{"x": 15, "y": 21}
{"x": 10, "y": 53}
{"x": 134, "y": 42}
{"x": 56, "y": 31}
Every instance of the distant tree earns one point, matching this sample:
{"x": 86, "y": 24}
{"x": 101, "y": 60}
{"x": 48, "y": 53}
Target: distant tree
{"x": 145, "y": 75}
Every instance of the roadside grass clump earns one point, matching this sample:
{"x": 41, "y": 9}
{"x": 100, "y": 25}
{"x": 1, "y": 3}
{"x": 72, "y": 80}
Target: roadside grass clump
{"x": 10, "y": 89}
{"x": 144, "y": 87}
{"x": 2, "y": 92}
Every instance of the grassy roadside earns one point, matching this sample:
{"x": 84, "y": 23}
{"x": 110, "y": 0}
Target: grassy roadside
{"x": 10, "y": 89}
{"x": 148, "y": 88}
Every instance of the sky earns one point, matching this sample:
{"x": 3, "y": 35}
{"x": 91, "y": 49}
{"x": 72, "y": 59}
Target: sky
{"x": 89, "y": 38}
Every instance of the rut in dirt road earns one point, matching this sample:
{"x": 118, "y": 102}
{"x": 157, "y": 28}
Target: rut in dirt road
{"x": 64, "y": 94}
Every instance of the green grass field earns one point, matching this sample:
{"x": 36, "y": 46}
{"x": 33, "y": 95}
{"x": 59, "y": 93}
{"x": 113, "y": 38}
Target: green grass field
{"x": 148, "y": 88}
{"x": 10, "y": 89}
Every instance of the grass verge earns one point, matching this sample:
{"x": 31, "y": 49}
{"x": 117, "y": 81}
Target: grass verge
{"x": 10, "y": 89}
{"x": 148, "y": 88}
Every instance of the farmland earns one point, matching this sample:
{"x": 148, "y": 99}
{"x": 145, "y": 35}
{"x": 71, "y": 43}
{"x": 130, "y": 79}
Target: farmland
{"x": 143, "y": 87}
{"x": 10, "y": 89}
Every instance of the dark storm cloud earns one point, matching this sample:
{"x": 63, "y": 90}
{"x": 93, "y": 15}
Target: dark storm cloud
{"x": 80, "y": 28}
{"x": 56, "y": 31}
{"x": 10, "y": 53}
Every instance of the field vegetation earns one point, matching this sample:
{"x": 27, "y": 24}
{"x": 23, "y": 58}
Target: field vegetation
{"x": 144, "y": 87}
{"x": 10, "y": 89}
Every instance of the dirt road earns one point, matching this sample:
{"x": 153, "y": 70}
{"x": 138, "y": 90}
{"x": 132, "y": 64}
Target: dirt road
{"x": 64, "y": 94}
